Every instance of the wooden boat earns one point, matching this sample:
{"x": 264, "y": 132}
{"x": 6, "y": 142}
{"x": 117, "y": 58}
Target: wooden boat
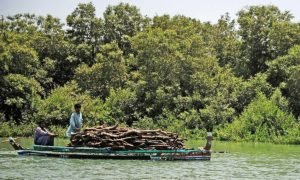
{"x": 108, "y": 153}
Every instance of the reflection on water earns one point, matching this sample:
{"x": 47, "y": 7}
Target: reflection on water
{"x": 243, "y": 161}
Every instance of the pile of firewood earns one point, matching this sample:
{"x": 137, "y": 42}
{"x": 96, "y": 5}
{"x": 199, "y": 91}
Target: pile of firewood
{"x": 126, "y": 139}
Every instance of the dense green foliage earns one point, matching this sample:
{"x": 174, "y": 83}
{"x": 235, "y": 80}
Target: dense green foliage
{"x": 262, "y": 120}
{"x": 239, "y": 78}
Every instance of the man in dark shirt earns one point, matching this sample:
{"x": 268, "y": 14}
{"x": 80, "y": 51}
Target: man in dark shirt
{"x": 42, "y": 136}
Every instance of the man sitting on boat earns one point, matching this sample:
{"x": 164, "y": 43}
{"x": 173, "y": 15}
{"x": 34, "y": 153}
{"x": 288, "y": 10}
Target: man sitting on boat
{"x": 42, "y": 136}
{"x": 75, "y": 121}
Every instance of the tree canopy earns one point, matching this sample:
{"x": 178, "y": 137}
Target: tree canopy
{"x": 238, "y": 77}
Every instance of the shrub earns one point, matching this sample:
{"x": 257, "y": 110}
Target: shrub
{"x": 58, "y": 106}
{"x": 262, "y": 121}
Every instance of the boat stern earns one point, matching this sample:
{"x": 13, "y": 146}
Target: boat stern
{"x": 209, "y": 139}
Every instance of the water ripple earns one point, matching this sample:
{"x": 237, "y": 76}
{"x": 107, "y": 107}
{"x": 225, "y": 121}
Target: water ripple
{"x": 235, "y": 165}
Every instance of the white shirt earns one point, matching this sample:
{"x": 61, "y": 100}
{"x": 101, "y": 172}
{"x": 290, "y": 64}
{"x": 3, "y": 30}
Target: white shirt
{"x": 75, "y": 122}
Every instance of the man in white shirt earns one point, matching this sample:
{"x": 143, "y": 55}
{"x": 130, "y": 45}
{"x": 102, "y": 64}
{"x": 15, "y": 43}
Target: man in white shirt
{"x": 75, "y": 121}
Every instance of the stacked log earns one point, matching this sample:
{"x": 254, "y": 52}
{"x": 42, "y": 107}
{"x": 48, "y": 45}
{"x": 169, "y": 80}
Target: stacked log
{"x": 126, "y": 139}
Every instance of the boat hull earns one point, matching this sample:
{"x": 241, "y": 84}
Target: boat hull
{"x": 80, "y": 155}
{"x": 105, "y": 153}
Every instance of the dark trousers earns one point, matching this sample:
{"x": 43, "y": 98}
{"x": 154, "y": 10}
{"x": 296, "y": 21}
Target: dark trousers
{"x": 45, "y": 141}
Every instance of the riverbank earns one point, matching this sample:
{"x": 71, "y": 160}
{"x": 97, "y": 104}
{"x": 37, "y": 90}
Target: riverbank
{"x": 7, "y": 130}
{"x": 26, "y": 130}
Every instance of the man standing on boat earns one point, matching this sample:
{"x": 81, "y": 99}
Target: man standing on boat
{"x": 75, "y": 121}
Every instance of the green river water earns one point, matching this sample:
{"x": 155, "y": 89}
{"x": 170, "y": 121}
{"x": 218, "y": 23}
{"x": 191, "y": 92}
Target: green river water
{"x": 241, "y": 161}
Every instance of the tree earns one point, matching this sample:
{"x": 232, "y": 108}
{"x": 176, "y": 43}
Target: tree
{"x": 20, "y": 95}
{"x": 175, "y": 65}
{"x": 282, "y": 73}
{"x": 120, "y": 23}
{"x": 19, "y": 89}
{"x": 279, "y": 69}
{"x": 226, "y": 43}
{"x": 86, "y": 30}
{"x": 52, "y": 49}
{"x": 46, "y": 36}
{"x": 164, "y": 62}
{"x": 293, "y": 86}
{"x": 58, "y": 106}
{"x": 18, "y": 59}
{"x": 21, "y": 23}
{"x": 259, "y": 27}
{"x": 249, "y": 89}
{"x": 215, "y": 95}
{"x": 108, "y": 73}
{"x": 122, "y": 106}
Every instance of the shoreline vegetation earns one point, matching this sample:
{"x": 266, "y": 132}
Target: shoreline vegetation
{"x": 8, "y": 130}
{"x": 238, "y": 78}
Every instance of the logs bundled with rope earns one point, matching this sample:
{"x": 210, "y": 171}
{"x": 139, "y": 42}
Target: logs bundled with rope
{"x": 126, "y": 139}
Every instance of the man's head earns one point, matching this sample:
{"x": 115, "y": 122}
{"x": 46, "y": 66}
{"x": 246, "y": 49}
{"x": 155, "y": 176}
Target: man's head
{"x": 41, "y": 123}
{"x": 77, "y": 107}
